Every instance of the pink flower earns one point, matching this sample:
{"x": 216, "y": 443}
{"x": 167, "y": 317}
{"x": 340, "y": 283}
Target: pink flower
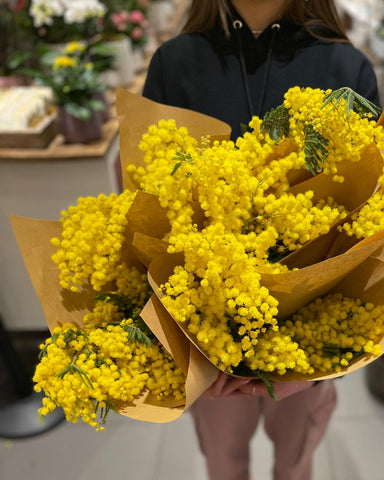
{"x": 136, "y": 33}
{"x": 124, "y": 16}
{"x": 122, "y": 26}
{"x": 115, "y": 17}
{"x": 136, "y": 17}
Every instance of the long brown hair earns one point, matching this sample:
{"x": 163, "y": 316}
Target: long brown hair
{"x": 203, "y": 14}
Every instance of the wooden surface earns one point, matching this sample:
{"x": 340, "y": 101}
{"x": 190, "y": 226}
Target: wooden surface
{"x": 57, "y": 149}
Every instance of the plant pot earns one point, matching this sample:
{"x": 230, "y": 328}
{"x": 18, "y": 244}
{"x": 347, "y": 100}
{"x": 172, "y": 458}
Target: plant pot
{"x": 159, "y": 13}
{"x": 104, "y": 115}
{"x": 123, "y": 73}
{"x": 12, "y": 81}
{"x": 78, "y": 131}
{"x": 375, "y": 378}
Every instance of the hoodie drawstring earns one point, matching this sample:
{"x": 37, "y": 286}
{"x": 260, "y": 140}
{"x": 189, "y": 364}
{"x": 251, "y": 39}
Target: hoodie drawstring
{"x": 238, "y": 25}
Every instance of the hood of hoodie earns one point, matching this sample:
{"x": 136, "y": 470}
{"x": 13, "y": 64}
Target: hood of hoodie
{"x": 289, "y": 38}
{"x": 233, "y": 77}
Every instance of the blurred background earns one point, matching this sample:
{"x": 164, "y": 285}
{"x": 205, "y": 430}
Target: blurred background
{"x": 60, "y": 65}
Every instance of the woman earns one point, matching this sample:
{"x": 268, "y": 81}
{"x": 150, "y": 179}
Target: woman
{"x": 234, "y": 60}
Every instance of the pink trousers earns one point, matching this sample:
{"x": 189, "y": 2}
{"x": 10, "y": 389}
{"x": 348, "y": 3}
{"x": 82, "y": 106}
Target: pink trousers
{"x": 295, "y": 425}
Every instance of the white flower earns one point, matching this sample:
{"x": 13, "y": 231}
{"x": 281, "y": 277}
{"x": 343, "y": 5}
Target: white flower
{"x": 79, "y": 12}
{"x": 43, "y": 11}
{"x": 73, "y": 11}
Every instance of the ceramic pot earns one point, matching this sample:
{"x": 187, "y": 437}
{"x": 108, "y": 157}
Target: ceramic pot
{"x": 104, "y": 115}
{"x": 75, "y": 130}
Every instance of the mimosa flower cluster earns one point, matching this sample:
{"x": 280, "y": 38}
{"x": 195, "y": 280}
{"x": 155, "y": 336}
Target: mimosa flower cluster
{"x": 236, "y": 211}
{"x": 92, "y": 239}
{"x": 335, "y": 329}
{"x": 368, "y": 220}
{"x": 111, "y": 361}
{"x": 251, "y": 221}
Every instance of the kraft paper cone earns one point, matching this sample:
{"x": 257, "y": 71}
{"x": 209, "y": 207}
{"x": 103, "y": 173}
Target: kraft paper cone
{"x": 360, "y": 183}
{"x": 297, "y": 288}
{"x": 60, "y": 306}
{"x": 360, "y": 180}
{"x": 200, "y": 373}
{"x": 381, "y": 120}
{"x": 148, "y": 248}
{"x": 136, "y": 114}
{"x": 365, "y": 282}
{"x": 147, "y": 216}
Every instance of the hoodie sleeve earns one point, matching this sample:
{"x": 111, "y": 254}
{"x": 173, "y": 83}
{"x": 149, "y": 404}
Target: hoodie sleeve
{"x": 367, "y": 83}
{"x": 154, "y": 84}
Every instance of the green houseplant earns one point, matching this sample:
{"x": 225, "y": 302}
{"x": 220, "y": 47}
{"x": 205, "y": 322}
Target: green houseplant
{"x": 76, "y": 84}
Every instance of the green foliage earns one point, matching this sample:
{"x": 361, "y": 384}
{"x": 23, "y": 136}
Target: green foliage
{"x": 136, "y": 335}
{"x": 180, "y": 159}
{"x": 138, "y": 332}
{"x": 269, "y": 385}
{"x": 315, "y": 149}
{"x": 123, "y": 304}
{"x": 74, "y": 85}
{"x": 276, "y": 123}
{"x": 331, "y": 350}
{"x": 245, "y": 128}
{"x": 353, "y": 101}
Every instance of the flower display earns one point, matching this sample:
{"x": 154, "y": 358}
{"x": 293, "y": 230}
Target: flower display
{"x": 257, "y": 254}
{"x": 131, "y": 23}
{"x": 73, "y": 77}
{"x": 44, "y": 13}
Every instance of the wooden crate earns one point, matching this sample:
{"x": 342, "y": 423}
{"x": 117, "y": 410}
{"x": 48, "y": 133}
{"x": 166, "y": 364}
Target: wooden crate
{"x": 39, "y": 136}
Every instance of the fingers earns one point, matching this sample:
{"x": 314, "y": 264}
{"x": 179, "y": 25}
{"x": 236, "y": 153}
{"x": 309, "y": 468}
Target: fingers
{"x": 282, "y": 389}
{"x": 285, "y": 389}
{"x": 225, "y": 386}
{"x": 256, "y": 388}
{"x": 216, "y": 388}
{"x": 234, "y": 384}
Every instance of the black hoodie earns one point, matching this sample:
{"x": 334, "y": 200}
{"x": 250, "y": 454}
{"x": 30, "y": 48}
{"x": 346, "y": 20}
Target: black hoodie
{"x": 232, "y": 78}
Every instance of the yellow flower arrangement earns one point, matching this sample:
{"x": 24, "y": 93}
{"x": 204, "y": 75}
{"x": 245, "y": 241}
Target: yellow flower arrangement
{"x": 237, "y": 211}
{"x": 112, "y": 360}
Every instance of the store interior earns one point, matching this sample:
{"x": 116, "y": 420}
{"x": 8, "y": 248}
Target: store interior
{"x": 47, "y": 161}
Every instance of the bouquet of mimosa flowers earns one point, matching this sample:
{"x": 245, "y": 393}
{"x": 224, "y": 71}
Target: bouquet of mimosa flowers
{"x": 260, "y": 257}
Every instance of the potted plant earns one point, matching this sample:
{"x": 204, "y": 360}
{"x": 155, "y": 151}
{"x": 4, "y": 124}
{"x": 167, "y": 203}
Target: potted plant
{"x": 75, "y": 84}
{"x": 58, "y": 21}
{"x": 133, "y": 24}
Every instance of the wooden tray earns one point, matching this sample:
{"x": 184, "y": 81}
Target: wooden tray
{"x": 38, "y": 136}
